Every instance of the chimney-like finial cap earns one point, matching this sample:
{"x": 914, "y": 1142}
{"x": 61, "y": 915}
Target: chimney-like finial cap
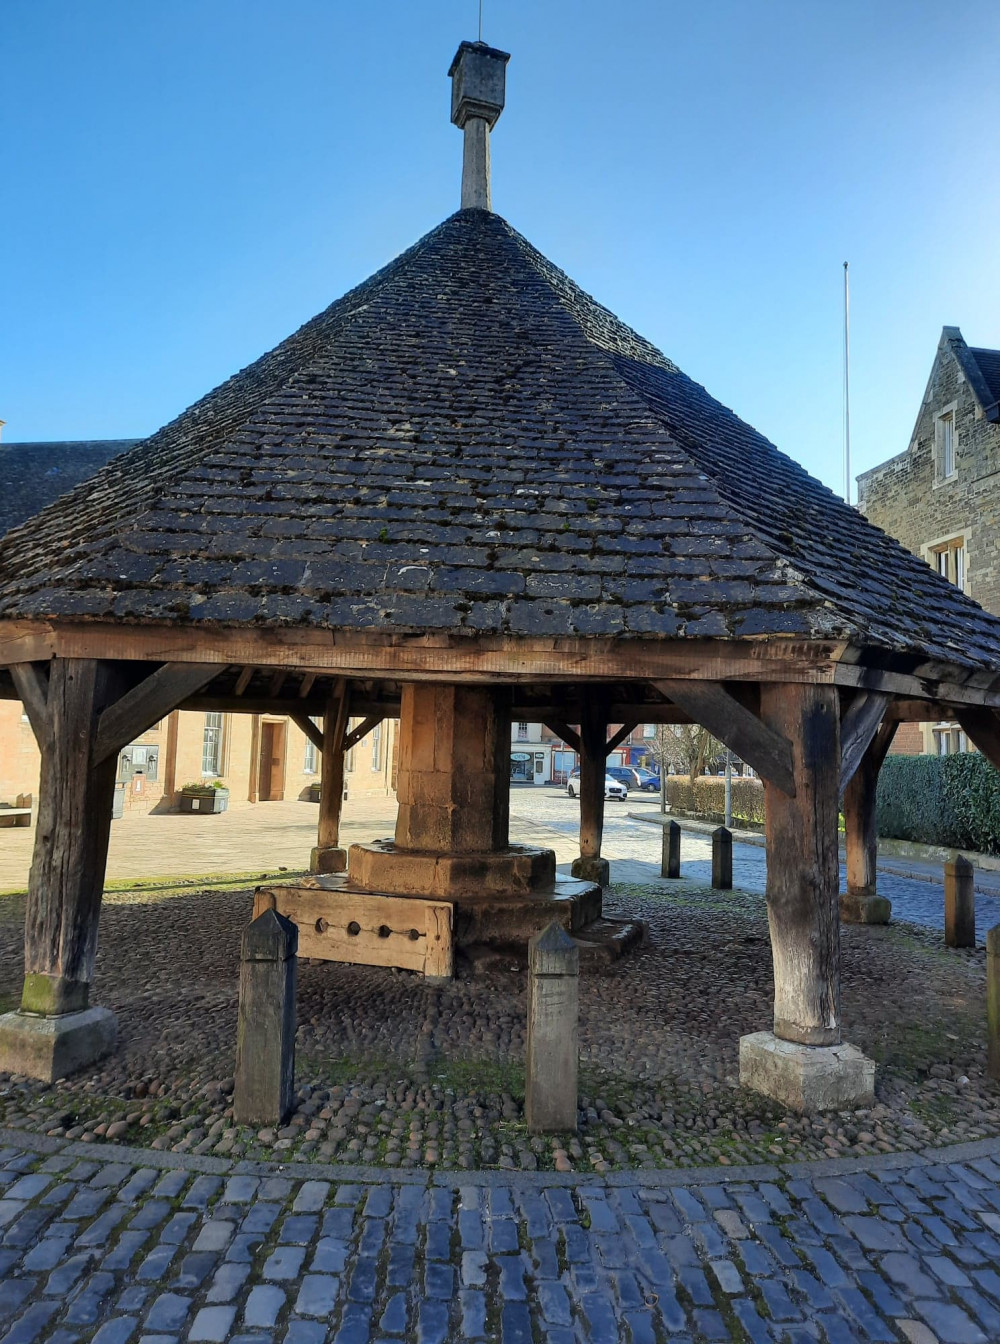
{"x": 478, "y": 76}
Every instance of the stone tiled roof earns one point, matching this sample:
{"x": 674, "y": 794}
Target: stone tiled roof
{"x": 32, "y": 475}
{"x": 469, "y": 443}
{"x": 989, "y": 367}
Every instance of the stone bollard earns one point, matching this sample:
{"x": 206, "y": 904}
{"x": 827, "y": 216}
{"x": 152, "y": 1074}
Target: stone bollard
{"x": 553, "y": 1055}
{"x": 993, "y": 1002}
{"x": 265, "y": 1031}
{"x": 722, "y": 858}
{"x": 670, "y": 863}
{"x": 959, "y": 903}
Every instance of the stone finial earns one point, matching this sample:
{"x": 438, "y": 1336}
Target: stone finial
{"x": 478, "y": 77}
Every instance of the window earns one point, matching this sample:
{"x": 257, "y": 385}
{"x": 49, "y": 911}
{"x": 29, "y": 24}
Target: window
{"x": 649, "y": 730}
{"x": 949, "y": 561}
{"x": 211, "y": 746}
{"x": 377, "y": 747}
{"x": 310, "y": 766}
{"x": 522, "y": 732}
{"x": 944, "y": 443}
{"x": 949, "y": 740}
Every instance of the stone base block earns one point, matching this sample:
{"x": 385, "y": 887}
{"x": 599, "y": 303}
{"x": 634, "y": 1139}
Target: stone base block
{"x": 53, "y": 1047}
{"x": 516, "y": 871}
{"x": 864, "y": 907}
{"x": 328, "y": 859}
{"x": 592, "y": 870}
{"x": 806, "y": 1078}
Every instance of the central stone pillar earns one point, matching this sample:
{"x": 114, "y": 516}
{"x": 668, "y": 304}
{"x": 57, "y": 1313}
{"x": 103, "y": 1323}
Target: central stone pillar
{"x": 451, "y": 840}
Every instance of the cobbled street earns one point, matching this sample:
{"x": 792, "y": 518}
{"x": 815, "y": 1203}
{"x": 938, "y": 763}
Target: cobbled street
{"x": 121, "y": 1246}
{"x": 627, "y": 842}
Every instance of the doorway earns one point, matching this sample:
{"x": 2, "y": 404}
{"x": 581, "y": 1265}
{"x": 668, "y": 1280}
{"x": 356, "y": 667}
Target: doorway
{"x": 271, "y": 777}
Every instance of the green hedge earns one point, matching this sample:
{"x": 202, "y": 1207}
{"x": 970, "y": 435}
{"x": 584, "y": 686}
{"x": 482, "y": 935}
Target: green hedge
{"x": 952, "y": 801}
{"x": 706, "y": 797}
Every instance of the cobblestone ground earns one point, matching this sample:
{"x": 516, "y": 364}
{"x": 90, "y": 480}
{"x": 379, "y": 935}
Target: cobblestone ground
{"x": 131, "y": 1246}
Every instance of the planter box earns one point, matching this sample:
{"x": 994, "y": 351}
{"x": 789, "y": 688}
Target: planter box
{"x": 204, "y": 800}
{"x": 314, "y": 792}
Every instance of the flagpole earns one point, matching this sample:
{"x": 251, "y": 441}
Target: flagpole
{"x": 847, "y": 382}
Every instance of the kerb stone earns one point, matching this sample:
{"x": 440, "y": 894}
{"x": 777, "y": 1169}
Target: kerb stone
{"x": 806, "y": 1078}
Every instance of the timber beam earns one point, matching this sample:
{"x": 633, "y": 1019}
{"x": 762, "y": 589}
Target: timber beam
{"x": 982, "y": 728}
{"x": 762, "y": 747}
{"x": 363, "y": 729}
{"x": 859, "y": 724}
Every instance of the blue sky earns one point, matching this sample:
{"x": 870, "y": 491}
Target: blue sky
{"x": 185, "y": 183}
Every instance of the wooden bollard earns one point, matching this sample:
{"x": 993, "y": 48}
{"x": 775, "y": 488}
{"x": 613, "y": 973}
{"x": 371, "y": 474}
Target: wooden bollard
{"x": 553, "y": 1056}
{"x": 959, "y": 903}
{"x": 670, "y": 863}
{"x": 265, "y": 1031}
{"x": 993, "y": 1002}
{"x": 722, "y": 858}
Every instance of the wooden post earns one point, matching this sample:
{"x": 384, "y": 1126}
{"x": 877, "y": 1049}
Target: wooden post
{"x": 553, "y": 1050}
{"x": 56, "y": 1031}
{"x": 959, "y": 903}
{"x": 265, "y": 1034}
{"x": 670, "y": 862}
{"x": 861, "y": 904}
{"x": 722, "y": 858}
{"x": 593, "y": 765}
{"x": 328, "y": 856}
{"x": 803, "y": 864}
{"x": 993, "y": 1001}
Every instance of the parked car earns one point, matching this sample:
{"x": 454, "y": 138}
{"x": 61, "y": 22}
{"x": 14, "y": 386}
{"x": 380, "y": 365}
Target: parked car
{"x": 624, "y": 775}
{"x": 613, "y": 788}
{"x": 649, "y": 781}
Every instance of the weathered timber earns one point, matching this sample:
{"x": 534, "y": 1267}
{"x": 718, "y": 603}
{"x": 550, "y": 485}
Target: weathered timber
{"x": 563, "y": 730}
{"x": 366, "y": 930}
{"x": 858, "y": 728}
{"x": 670, "y": 862}
{"x": 308, "y": 681}
{"x": 593, "y": 764}
{"x": 145, "y": 704}
{"x": 959, "y": 903}
{"x": 803, "y": 869}
{"x": 982, "y": 727}
{"x": 71, "y": 840}
{"x": 918, "y": 711}
{"x": 243, "y": 680}
{"x": 311, "y": 730}
{"x": 264, "y": 1092}
{"x": 767, "y": 752}
{"x": 617, "y": 738}
{"x": 362, "y": 730}
{"x": 328, "y": 856}
{"x": 553, "y": 1048}
{"x": 861, "y": 904}
{"x": 31, "y": 681}
{"x": 993, "y": 1002}
{"x": 722, "y": 858}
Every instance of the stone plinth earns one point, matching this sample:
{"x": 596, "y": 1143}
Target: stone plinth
{"x": 864, "y": 907}
{"x": 328, "y": 859}
{"x": 515, "y": 871}
{"x": 48, "y": 1048}
{"x": 806, "y": 1078}
{"x": 592, "y": 870}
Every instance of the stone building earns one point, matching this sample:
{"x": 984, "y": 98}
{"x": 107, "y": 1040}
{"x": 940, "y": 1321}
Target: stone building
{"x": 941, "y": 496}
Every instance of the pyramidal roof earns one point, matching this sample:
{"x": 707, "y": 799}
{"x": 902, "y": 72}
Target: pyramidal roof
{"x": 468, "y": 443}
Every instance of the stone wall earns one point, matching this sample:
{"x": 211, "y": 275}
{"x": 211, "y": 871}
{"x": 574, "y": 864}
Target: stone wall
{"x": 904, "y": 497}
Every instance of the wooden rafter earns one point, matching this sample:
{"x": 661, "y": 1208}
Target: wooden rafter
{"x": 711, "y": 705}
{"x": 363, "y": 729}
{"x": 145, "y": 704}
{"x": 308, "y": 682}
{"x": 982, "y": 727}
{"x": 858, "y": 726}
{"x": 31, "y": 681}
{"x": 616, "y": 739}
{"x": 569, "y": 735}
{"x": 278, "y": 680}
{"x": 243, "y": 680}
{"x": 311, "y": 730}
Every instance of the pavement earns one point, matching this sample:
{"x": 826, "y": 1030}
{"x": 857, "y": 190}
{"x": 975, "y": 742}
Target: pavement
{"x": 118, "y": 1245}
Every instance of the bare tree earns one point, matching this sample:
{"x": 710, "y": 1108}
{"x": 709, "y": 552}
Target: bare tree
{"x": 685, "y": 747}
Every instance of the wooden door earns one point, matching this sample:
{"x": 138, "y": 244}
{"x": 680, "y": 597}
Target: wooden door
{"x": 271, "y": 783}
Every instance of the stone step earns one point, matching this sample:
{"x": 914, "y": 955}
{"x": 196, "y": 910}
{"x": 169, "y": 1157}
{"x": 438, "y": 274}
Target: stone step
{"x": 603, "y": 941}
